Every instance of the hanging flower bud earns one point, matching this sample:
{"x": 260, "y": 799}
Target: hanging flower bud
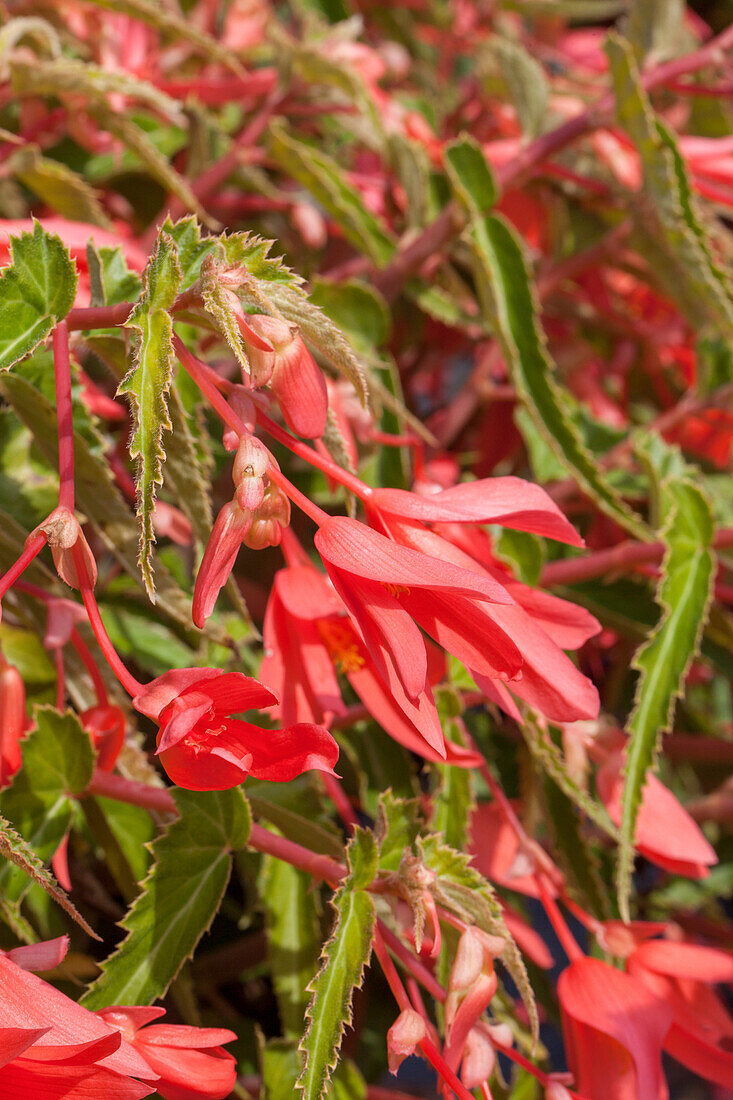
{"x": 231, "y": 525}
{"x": 250, "y": 472}
{"x": 12, "y": 720}
{"x": 479, "y": 1058}
{"x": 269, "y": 520}
{"x": 556, "y": 1091}
{"x": 63, "y": 533}
{"x": 61, "y": 617}
{"x": 308, "y": 221}
{"x": 106, "y": 724}
{"x": 408, "y": 1030}
{"x": 292, "y": 374}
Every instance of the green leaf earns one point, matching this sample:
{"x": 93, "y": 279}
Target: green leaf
{"x": 178, "y": 900}
{"x": 324, "y": 178}
{"x": 522, "y": 552}
{"x": 215, "y": 298}
{"x": 655, "y": 28}
{"x": 683, "y": 595}
{"x": 37, "y": 289}
{"x": 453, "y": 798}
{"x": 192, "y": 249}
{"x": 574, "y": 853}
{"x": 115, "y": 281}
{"x": 148, "y": 382}
{"x": 510, "y": 304}
{"x": 296, "y": 827}
{"x": 57, "y": 185}
{"x": 470, "y": 175}
{"x": 291, "y": 916}
{"x": 510, "y": 71}
{"x": 672, "y": 235}
{"x": 398, "y": 824}
{"x": 58, "y": 761}
{"x": 343, "y": 960}
{"x": 357, "y": 308}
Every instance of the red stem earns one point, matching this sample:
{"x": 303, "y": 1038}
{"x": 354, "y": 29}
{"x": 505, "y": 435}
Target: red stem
{"x": 563, "y": 933}
{"x": 90, "y": 665}
{"x": 98, "y": 317}
{"x": 64, "y": 414}
{"x": 130, "y": 684}
{"x": 31, "y": 550}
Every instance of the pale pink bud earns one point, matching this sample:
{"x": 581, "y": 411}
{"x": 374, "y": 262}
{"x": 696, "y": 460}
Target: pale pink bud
{"x": 12, "y": 720}
{"x": 63, "y": 534}
{"x": 479, "y": 1058}
{"x": 249, "y": 472}
{"x": 408, "y": 1030}
{"x": 501, "y": 1034}
{"x": 266, "y": 338}
{"x": 468, "y": 963}
{"x": 241, "y": 403}
{"x": 293, "y": 376}
{"x": 269, "y": 520}
{"x": 61, "y": 618}
{"x": 556, "y": 1091}
{"x": 310, "y": 224}
{"x": 170, "y": 523}
{"x": 460, "y": 1020}
{"x": 230, "y": 528}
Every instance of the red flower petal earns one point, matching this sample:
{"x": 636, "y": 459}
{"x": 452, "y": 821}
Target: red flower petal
{"x": 22, "y": 1080}
{"x": 163, "y": 689}
{"x": 279, "y": 755}
{"x": 185, "y": 1037}
{"x": 509, "y": 501}
{"x": 686, "y": 960}
{"x": 234, "y": 693}
{"x": 40, "y": 956}
{"x": 300, "y": 388}
{"x": 14, "y": 1040}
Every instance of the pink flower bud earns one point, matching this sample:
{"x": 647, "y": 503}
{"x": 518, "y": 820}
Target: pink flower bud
{"x": 310, "y": 224}
{"x": 556, "y": 1091}
{"x": 293, "y": 376}
{"x": 249, "y": 473}
{"x": 270, "y": 338}
{"x": 230, "y": 528}
{"x": 170, "y": 523}
{"x": 479, "y": 1058}
{"x": 269, "y": 520}
{"x": 61, "y": 618}
{"x": 63, "y": 533}
{"x": 501, "y": 1034}
{"x": 468, "y": 963}
{"x": 12, "y": 720}
{"x": 408, "y": 1030}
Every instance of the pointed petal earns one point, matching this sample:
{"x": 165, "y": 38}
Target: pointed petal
{"x": 414, "y": 725}
{"x": 509, "y": 501}
{"x": 14, "y": 1040}
{"x": 24, "y": 1079}
{"x": 704, "y": 1059}
{"x": 306, "y": 593}
{"x": 163, "y": 689}
{"x": 231, "y": 525}
{"x": 192, "y": 1074}
{"x": 77, "y": 1054}
{"x": 300, "y": 389}
{"x": 280, "y": 755}
{"x": 40, "y": 956}
{"x": 234, "y": 693}
{"x": 686, "y": 960}
{"x": 129, "y": 1018}
{"x": 185, "y": 1037}
{"x": 355, "y": 548}
{"x": 602, "y": 999}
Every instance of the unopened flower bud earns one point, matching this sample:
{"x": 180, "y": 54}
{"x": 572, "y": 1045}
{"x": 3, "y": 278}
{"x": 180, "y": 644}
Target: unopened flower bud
{"x": 12, "y": 720}
{"x": 308, "y": 221}
{"x": 408, "y": 1030}
{"x": 230, "y": 528}
{"x": 249, "y": 473}
{"x": 479, "y": 1058}
{"x": 468, "y": 963}
{"x": 268, "y": 521}
{"x": 556, "y": 1091}
{"x": 65, "y": 538}
{"x": 292, "y": 374}
{"x": 501, "y": 1034}
{"x": 271, "y": 338}
{"x": 61, "y": 617}
{"x": 106, "y": 724}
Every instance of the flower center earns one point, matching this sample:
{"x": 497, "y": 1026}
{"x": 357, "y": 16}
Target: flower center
{"x": 396, "y": 590}
{"x": 342, "y": 645}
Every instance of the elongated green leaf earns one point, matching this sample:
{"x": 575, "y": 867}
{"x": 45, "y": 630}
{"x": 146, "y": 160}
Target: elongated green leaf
{"x": 324, "y": 178}
{"x": 36, "y": 290}
{"x": 215, "y": 298}
{"x": 297, "y": 827}
{"x": 193, "y": 249}
{"x": 148, "y": 383}
{"x": 342, "y": 967}
{"x": 470, "y": 174}
{"x": 574, "y": 853}
{"x": 178, "y": 900}
{"x": 683, "y": 595}
{"x": 507, "y": 297}
{"x": 669, "y": 222}
{"x": 398, "y": 824}
{"x": 507, "y": 68}
{"x": 454, "y": 798}
{"x": 655, "y": 27}
{"x": 57, "y": 185}
{"x": 291, "y": 914}
{"x": 58, "y": 761}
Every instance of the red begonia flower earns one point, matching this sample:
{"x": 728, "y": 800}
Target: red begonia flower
{"x": 291, "y": 373}
{"x": 203, "y": 748}
{"x": 665, "y": 832}
{"x": 225, "y": 540}
{"x": 190, "y": 1061}
{"x": 701, "y": 1035}
{"x": 388, "y": 589}
{"x": 50, "y": 1046}
{"x": 614, "y": 1029}
{"x": 12, "y": 720}
{"x": 308, "y": 638}
{"x": 106, "y": 724}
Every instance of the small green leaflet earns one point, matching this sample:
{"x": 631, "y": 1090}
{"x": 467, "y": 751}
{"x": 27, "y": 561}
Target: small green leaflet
{"x": 37, "y": 289}
{"x": 178, "y": 900}
{"x": 148, "y": 382}
{"x": 324, "y": 178}
{"x": 342, "y": 967}
{"x": 470, "y": 175}
{"x": 508, "y": 300}
{"x": 58, "y": 761}
{"x": 293, "y": 939}
{"x": 683, "y": 595}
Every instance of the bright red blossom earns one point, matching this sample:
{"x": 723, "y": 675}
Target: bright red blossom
{"x": 203, "y": 748}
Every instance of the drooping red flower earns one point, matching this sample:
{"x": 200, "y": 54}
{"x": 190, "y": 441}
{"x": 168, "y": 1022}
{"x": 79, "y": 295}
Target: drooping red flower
{"x": 12, "y": 720}
{"x": 701, "y": 1035}
{"x": 308, "y": 638}
{"x": 614, "y": 1029}
{"x": 106, "y": 724}
{"x": 190, "y": 1062}
{"x": 203, "y": 748}
{"x": 665, "y": 832}
{"x": 50, "y": 1046}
